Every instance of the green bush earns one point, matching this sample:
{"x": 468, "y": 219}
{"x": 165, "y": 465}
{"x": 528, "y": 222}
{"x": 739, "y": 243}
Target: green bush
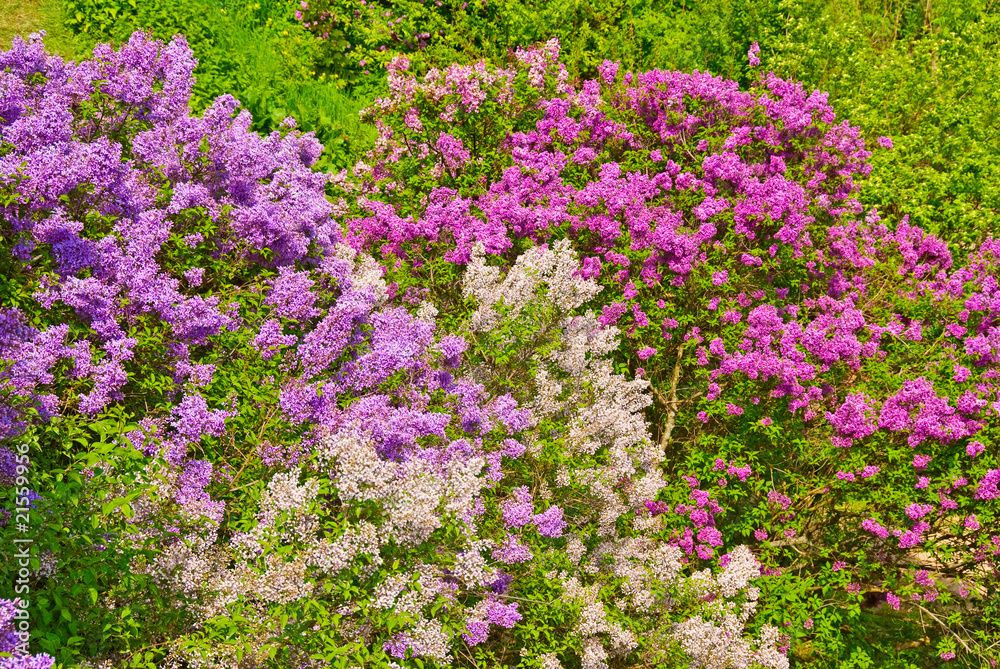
{"x": 927, "y": 76}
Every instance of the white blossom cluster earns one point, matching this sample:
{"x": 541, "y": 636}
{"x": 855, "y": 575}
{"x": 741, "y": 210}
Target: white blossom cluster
{"x": 601, "y": 415}
{"x": 574, "y": 379}
{"x": 414, "y": 494}
{"x": 555, "y": 268}
{"x": 715, "y": 639}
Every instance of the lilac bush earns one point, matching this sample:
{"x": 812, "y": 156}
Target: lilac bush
{"x": 148, "y": 182}
{"x": 294, "y": 464}
{"x": 849, "y": 362}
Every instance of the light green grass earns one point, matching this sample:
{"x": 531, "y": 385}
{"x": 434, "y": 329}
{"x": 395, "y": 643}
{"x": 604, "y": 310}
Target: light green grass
{"x": 23, "y": 17}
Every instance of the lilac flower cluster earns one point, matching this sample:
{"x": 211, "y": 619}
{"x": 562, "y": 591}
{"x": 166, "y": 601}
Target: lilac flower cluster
{"x": 11, "y": 640}
{"x": 139, "y": 161}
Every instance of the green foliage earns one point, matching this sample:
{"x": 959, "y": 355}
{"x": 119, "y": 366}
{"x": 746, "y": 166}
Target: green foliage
{"x": 87, "y": 482}
{"x": 925, "y": 74}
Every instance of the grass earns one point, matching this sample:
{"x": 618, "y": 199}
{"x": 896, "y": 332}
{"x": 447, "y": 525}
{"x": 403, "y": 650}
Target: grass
{"x": 22, "y": 17}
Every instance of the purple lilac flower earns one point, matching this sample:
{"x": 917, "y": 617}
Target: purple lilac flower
{"x": 396, "y": 646}
{"x": 476, "y": 632}
{"x": 8, "y": 466}
{"x": 502, "y": 582}
{"x": 550, "y": 522}
{"x": 194, "y": 276}
{"x": 503, "y": 615}
{"x": 193, "y": 419}
{"x": 9, "y": 640}
{"x": 518, "y": 512}
{"x": 291, "y": 295}
{"x": 512, "y": 551}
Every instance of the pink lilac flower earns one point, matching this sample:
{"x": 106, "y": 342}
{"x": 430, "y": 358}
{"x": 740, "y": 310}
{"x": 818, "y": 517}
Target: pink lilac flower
{"x": 918, "y": 511}
{"x": 742, "y": 473}
{"x": 775, "y": 497}
{"x": 988, "y": 487}
{"x": 869, "y": 471}
{"x": 873, "y": 526}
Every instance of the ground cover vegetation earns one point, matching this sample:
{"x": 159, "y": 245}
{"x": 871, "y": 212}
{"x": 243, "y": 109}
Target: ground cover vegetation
{"x": 601, "y": 338}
